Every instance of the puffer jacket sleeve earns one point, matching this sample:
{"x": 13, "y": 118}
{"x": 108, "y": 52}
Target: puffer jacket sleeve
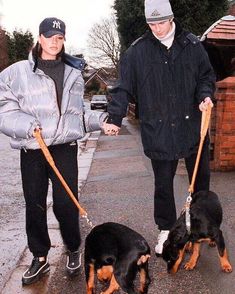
{"x": 93, "y": 120}
{"x": 13, "y": 122}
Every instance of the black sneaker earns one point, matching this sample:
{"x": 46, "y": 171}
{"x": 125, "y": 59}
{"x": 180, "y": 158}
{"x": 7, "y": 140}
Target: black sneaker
{"x": 35, "y": 271}
{"x": 73, "y": 262}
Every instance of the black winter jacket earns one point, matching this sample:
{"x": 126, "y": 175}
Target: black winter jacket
{"x": 168, "y": 86}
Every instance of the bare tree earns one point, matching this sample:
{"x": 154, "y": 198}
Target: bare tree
{"x": 103, "y": 43}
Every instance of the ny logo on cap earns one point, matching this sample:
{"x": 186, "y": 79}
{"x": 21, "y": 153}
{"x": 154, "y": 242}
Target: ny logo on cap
{"x": 155, "y": 13}
{"x": 56, "y": 24}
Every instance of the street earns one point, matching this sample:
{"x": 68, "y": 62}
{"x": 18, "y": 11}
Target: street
{"x": 12, "y": 239}
{"x": 118, "y": 187}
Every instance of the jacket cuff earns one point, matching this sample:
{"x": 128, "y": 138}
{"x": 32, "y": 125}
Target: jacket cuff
{"x": 115, "y": 119}
{"x": 93, "y": 120}
{"x": 33, "y": 126}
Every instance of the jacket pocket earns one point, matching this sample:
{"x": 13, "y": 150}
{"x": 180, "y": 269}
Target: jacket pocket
{"x": 155, "y": 135}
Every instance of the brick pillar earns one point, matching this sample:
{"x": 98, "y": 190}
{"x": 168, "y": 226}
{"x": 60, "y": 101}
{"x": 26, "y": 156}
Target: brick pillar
{"x": 223, "y": 126}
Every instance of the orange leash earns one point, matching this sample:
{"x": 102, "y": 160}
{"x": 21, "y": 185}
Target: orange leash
{"x": 46, "y": 152}
{"x": 206, "y": 115}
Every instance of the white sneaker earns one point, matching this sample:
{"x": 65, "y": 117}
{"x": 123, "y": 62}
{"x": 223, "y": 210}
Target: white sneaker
{"x": 162, "y": 237}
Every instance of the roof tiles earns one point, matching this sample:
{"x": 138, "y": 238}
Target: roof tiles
{"x": 223, "y": 29}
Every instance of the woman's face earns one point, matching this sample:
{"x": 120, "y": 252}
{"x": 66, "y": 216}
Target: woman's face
{"x": 161, "y": 29}
{"x": 51, "y": 46}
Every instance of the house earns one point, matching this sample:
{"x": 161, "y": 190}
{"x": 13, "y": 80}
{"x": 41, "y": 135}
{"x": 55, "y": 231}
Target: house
{"x": 99, "y": 80}
{"x": 219, "y": 41}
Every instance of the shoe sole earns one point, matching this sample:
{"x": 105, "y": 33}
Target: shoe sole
{"x": 74, "y": 272}
{"x": 28, "y": 281}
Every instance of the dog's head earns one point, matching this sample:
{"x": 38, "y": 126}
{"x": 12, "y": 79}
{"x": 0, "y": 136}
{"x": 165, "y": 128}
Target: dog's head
{"x": 104, "y": 267}
{"x": 105, "y": 273}
{"x": 170, "y": 254}
{"x": 173, "y": 247}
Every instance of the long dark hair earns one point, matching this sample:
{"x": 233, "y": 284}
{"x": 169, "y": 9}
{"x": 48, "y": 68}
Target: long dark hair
{"x": 37, "y": 52}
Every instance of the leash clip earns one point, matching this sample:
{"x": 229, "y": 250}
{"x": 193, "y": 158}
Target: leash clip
{"x": 89, "y": 222}
{"x": 187, "y": 214}
{"x": 189, "y": 199}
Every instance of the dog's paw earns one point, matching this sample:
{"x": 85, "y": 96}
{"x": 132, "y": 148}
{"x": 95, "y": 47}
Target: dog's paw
{"x": 189, "y": 247}
{"x": 227, "y": 268}
{"x": 189, "y": 266}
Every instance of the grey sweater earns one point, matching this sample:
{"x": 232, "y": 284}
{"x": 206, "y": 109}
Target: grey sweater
{"x": 55, "y": 70}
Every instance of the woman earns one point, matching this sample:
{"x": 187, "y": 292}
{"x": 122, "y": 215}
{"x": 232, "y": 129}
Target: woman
{"x": 44, "y": 92}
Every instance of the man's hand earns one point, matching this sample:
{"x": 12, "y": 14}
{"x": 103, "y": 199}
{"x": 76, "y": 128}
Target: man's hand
{"x": 110, "y": 129}
{"x": 204, "y": 104}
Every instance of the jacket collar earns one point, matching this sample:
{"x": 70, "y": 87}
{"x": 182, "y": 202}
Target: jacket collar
{"x": 31, "y": 60}
{"x": 180, "y": 35}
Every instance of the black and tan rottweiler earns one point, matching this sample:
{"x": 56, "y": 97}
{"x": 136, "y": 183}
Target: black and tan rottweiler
{"x": 115, "y": 253}
{"x": 206, "y": 218}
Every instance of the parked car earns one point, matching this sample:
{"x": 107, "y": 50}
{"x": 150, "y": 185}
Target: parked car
{"x": 99, "y": 102}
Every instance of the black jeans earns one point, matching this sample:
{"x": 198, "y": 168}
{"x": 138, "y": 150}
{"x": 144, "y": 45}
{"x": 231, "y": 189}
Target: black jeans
{"x": 36, "y": 172}
{"x": 164, "y": 172}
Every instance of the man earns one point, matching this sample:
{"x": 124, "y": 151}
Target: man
{"x": 46, "y": 93}
{"x": 168, "y": 73}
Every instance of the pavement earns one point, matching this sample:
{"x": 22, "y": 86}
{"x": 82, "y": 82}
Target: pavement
{"x": 117, "y": 184}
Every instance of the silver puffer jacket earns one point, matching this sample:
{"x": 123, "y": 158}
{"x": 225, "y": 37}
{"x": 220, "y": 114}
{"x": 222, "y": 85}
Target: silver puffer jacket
{"x": 28, "y": 99}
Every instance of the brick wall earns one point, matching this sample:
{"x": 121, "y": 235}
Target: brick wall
{"x": 223, "y": 127}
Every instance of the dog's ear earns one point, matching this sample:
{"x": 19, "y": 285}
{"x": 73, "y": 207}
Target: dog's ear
{"x": 166, "y": 243}
{"x": 179, "y": 236}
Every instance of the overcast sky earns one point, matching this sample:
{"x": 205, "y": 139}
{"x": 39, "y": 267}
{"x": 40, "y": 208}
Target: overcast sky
{"x": 79, "y": 16}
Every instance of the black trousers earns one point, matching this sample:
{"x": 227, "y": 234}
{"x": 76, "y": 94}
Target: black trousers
{"x": 164, "y": 172}
{"x": 36, "y": 172}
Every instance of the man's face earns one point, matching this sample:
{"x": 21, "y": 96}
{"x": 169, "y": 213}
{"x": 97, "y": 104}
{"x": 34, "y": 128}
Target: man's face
{"x": 51, "y": 46}
{"x": 161, "y": 28}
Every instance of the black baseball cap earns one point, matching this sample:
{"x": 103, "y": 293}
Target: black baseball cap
{"x": 52, "y": 26}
